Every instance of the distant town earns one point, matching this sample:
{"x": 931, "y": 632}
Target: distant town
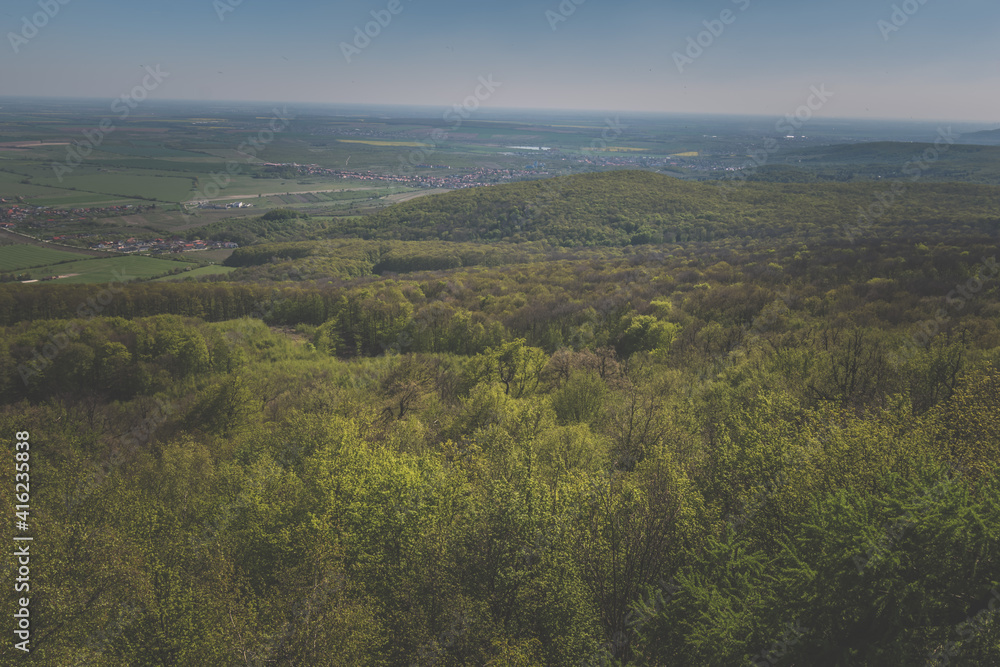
{"x": 13, "y": 216}
{"x": 479, "y": 177}
{"x": 13, "y": 212}
{"x": 159, "y": 245}
{"x": 239, "y": 204}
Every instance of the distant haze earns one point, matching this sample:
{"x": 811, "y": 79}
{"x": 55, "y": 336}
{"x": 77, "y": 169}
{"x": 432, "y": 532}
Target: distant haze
{"x": 936, "y": 60}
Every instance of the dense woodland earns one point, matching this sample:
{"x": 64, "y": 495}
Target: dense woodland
{"x": 622, "y": 208}
{"x": 435, "y": 438}
{"x": 942, "y": 161}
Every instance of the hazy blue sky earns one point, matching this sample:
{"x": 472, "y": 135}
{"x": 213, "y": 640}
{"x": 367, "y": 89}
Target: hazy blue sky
{"x": 942, "y": 63}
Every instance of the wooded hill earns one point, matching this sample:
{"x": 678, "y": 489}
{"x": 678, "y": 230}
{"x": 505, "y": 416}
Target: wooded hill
{"x": 743, "y": 451}
{"x": 635, "y": 207}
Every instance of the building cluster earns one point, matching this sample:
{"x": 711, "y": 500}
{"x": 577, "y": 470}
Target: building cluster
{"x": 479, "y": 177}
{"x": 238, "y": 204}
{"x": 12, "y": 214}
{"x": 174, "y": 244}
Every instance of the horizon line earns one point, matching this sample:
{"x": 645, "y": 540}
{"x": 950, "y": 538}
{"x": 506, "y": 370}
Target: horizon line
{"x": 487, "y": 109}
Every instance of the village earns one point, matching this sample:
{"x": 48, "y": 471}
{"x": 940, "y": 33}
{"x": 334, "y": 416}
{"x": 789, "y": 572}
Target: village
{"x": 14, "y": 216}
{"x": 159, "y": 245}
{"x": 477, "y": 178}
{"x": 14, "y": 212}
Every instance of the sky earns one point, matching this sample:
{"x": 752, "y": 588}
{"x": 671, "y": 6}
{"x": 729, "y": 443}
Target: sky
{"x": 912, "y": 59}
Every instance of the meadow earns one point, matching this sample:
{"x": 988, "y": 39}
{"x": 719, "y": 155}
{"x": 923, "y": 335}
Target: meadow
{"x": 21, "y": 256}
{"x": 199, "y": 272}
{"x": 107, "y": 270}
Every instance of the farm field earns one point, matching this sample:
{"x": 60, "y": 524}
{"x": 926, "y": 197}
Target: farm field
{"x": 125, "y": 184}
{"x": 179, "y": 157}
{"x": 613, "y": 375}
{"x": 202, "y": 256}
{"x": 101, "y": 270}
{"x": 394, "y": 144}
{"x": 17, "y": 257}
{"x": 693, "y": 358}
{"x": 200, "y": 272}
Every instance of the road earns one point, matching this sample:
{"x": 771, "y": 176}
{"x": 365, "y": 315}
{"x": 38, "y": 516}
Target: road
{"x": 27, "y": 240}
{"x": 286, "y": 192}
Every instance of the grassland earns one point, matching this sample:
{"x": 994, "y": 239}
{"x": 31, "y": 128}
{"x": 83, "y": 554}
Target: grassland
{"x": 409, "y": 144}
{"x": 17, "y": 257}
{"x": 618, "y": 149}
{"x": 106, "y": 270}
{"x": 172, "y": 158}
{"x": 200, "y": 272}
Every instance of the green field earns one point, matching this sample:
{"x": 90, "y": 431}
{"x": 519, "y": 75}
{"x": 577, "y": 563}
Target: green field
{"x": 85, "y": 187}
{"x": 105, "y": 270}
{"x": 17, "y": 257}
{"x": 214, "y": 270}
{"x": 125, "y": 184}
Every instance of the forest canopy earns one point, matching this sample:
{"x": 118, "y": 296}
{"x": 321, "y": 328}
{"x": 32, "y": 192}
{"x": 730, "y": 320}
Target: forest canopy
{"x": 631, "y": 421}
